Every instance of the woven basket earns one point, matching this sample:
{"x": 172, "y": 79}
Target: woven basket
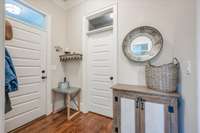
{"x": 162, "y": 78}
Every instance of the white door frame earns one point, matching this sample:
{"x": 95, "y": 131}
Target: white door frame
{"x": 85, "y": 106}
{"x": 2, "y": 70}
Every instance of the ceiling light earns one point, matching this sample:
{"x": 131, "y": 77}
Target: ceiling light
{"x": 13, "y": 9}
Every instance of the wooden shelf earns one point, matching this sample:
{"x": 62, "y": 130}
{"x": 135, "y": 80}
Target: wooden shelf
{"x": 70, "y": 57}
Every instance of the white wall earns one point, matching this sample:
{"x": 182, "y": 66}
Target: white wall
{"x": 2, "y": 67}
{"x": 74, "y": 40}
{"x": 59, "y": 35}
{"x": 175, "y": 19}
{"x": 94, "y": 5}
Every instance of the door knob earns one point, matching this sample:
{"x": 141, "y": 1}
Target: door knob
{"x": 111, "y": 78}
{"x": 44, "y": 77}
{"x": 43, "y": 71}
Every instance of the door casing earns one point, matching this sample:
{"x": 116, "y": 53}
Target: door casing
{"x": 2, "y": 70}
{"x": 85, "y": 99}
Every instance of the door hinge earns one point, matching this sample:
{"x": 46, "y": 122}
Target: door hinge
{"x": 137, "y": 103}
{"x": 142, "y": 104}
{"x": 170, "y": 109}
{"x": 116, "y": 99}
{"x": 116, "y": 130}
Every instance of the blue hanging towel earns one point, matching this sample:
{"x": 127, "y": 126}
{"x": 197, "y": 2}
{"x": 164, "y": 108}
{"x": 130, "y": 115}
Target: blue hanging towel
{"x": 11, "y": 82}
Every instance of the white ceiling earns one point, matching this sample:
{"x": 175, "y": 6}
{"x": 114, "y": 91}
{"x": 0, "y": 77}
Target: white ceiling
{"x": 66, "y": 4}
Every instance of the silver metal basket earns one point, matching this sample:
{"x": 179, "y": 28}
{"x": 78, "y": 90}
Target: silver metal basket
{"x": 162, "y": 78}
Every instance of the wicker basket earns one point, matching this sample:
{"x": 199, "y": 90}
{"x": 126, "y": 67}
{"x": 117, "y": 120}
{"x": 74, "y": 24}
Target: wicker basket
{"x": 162, "y": 78}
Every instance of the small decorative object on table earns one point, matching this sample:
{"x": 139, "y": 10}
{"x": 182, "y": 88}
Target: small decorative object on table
{"x": 162, "y": 78}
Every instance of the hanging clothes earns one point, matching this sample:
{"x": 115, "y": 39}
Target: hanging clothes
{"x": 9, "y": 31}
{"x": 11, "y": 82}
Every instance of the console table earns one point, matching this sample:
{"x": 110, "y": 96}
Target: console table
{"x": 70, "y": 94}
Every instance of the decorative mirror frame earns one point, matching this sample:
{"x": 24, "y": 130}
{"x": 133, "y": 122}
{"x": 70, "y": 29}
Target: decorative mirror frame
{"x": 147, "y": 31}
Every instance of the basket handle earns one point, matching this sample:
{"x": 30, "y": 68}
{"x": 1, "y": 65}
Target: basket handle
{"x": 175, "y": 61}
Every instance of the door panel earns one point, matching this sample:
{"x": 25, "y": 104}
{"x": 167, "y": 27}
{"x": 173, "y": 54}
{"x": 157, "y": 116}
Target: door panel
{"x": 26, "y": 89}
{"x": 28, "y": 80}
{"x": 28, "y": 53}
{"x": 24, "y": 44}
{"x": 21, "y": 33}
{"x": 22, "y": 108}
{"x": 128, "y": 118}
{"x": 24, "y": 53}
{"x": 27, "y": 63}
{"x": 24, "y": 98}
{"x": 22, "y": 119}
{"x": 154, "y": 118}
{"x": 100, "y": 69}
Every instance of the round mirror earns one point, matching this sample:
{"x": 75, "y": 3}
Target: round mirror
{"x": 142, "y": 44}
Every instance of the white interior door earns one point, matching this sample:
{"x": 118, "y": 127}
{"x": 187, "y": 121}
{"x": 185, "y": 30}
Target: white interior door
{"x": 101, "y": 62}
{"x": 28, "y": 53}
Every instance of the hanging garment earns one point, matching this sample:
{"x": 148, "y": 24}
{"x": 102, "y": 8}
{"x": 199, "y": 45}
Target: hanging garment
{"x": 9, "y": 31}
{"x": 8, "y": 106}
{"x": 11, "y": 82}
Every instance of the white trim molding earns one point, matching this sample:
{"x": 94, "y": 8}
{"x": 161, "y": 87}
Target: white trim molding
{"x": 2, "y": 57}
{"x": 49, "y": 64}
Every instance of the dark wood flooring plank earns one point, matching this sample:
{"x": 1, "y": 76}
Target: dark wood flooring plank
{"x": 58, "y": 123}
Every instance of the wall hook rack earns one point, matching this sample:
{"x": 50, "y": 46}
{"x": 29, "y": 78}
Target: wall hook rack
{"x": 70, "y": 57}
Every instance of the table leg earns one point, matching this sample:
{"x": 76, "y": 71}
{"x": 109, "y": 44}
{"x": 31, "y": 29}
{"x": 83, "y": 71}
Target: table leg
{"x": 79, "y": 102}
{"x": 68, "y": 106}
{"x": 65, "y": 104}
{"x": 53, "y": 101}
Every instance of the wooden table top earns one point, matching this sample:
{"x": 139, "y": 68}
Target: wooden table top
{"x": 142, "y": 90}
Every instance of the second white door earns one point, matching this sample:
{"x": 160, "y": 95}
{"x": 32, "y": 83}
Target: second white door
{"x": 101, "y": 62}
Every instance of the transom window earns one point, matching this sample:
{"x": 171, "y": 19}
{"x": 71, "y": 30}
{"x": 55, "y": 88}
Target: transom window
{"x": 19, "y": 11}
{"x": 101, "y": 21}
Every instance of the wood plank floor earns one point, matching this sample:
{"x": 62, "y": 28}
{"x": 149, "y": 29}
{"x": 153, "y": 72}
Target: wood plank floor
{"x": 58, "y": 123}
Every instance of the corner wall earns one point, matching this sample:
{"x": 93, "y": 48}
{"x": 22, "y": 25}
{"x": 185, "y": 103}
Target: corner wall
{"x": 175, "y": 19}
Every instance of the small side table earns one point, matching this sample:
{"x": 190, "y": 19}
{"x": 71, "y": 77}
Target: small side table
{"x": 69, "y": 94}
